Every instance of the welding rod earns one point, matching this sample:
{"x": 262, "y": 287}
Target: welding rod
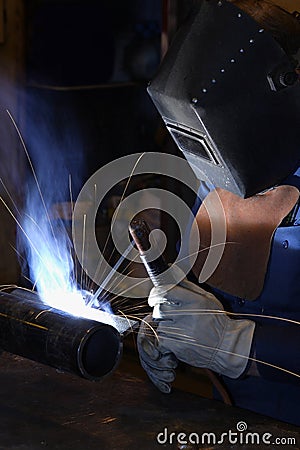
{"x": 31, "y": 329}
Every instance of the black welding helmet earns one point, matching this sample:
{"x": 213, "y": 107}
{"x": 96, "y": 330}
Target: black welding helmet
{"x": 230, "y": 97}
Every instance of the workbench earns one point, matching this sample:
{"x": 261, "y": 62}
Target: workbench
{"x": 42, "y": 408}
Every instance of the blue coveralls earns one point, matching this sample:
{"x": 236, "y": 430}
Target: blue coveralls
{"x": 275, "y": 393}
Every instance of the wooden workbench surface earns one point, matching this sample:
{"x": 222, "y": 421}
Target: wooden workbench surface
{"x": 43, "y": 408}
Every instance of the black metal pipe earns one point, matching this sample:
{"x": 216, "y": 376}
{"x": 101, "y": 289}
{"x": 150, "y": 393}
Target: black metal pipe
{"x": 31, "y": 329}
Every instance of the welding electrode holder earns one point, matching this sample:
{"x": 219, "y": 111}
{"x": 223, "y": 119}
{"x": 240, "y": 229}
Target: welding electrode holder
{"x": 31, "y": 329}
{"x": 157, "y": 269}
{"x": 140, "y": 233}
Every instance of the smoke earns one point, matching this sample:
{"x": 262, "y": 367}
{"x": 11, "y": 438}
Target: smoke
{"x": 42, "y": 169}
{"x": 53, "y": 178}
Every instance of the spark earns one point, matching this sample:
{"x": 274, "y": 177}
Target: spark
{"x": 10, "y": 197}
{"x": 83, "y": 245}
{"x": 192, "y": 312}
{"x": 32, "y": 169}
{"x": 115, "y": 217}
{"x": 72, "y": 254}
{"x": 197, "y": 344}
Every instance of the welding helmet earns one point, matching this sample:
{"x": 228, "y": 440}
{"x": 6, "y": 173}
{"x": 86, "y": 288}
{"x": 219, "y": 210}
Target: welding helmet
{"x": 229, "y": 95}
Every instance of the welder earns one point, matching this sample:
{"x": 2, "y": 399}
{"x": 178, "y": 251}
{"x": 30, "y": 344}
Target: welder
{"x": 228, "y": 91}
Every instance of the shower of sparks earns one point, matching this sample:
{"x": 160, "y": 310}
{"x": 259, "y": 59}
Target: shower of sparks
{"x": 48, "y": 251}
{"x": 49, "y": 254}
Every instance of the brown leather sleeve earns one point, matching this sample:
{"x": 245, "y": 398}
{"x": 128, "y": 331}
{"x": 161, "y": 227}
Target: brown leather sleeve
{"x": 250, "y": 224}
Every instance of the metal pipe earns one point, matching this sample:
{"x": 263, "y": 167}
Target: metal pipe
{"x": 31, "y": 329}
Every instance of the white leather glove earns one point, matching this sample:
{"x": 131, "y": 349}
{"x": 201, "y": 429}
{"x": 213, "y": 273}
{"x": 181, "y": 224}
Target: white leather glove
{"x": 159, "y": 364}
{"x": 194, "y": 328}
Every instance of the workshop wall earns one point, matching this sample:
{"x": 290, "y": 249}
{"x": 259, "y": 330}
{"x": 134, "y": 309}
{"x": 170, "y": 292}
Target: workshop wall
{"x": 90, "y": 62}
{"x": 11, "y": 156}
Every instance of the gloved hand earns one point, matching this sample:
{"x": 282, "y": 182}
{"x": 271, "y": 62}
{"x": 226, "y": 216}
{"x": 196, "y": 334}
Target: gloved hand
{"x": 194, "y": 328}
{"x": 159, "y": 364}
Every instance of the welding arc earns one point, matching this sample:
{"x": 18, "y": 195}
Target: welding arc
{"x": 33, "y": 330}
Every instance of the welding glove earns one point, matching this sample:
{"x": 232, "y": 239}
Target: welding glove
{"x": 159, "y": 364}
{"x": 193, "y": 327}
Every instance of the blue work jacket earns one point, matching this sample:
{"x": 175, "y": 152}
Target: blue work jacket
{"x": 275, "y": 392}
